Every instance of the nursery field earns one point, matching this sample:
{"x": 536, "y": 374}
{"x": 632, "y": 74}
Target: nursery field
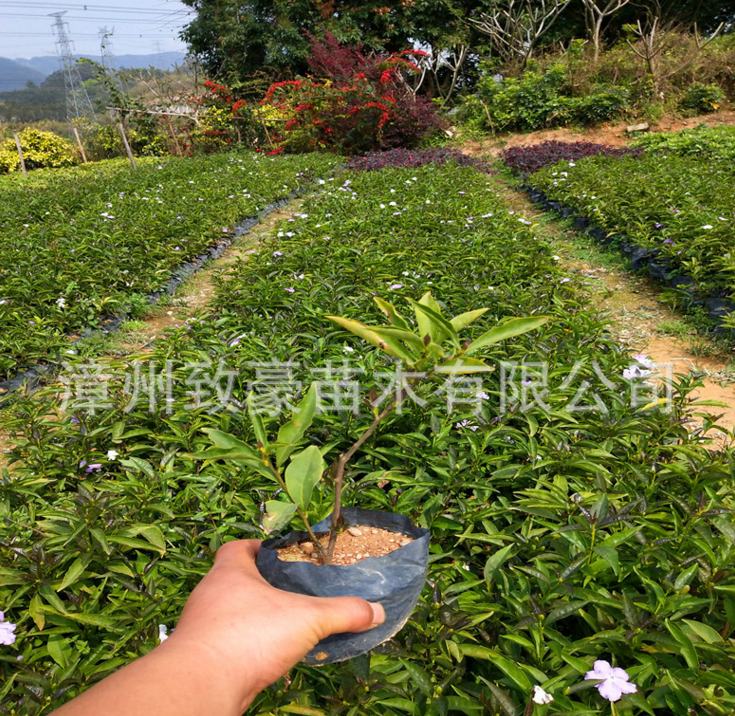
{"x": 83, "y": 243}
{"x": 676, "y": 200}
{"x": 573, "y": 517}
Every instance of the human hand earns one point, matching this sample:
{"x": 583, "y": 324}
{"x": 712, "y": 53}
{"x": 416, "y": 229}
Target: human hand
{"x": 236, "y": 635}
{"x": 254, "y": 630}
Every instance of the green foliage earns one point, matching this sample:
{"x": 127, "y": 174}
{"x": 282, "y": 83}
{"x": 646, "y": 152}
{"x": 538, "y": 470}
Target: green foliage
{"x": 681, "y": 206}
{"x": 703, "y": 142}
{"x": 40, "y": 149}
{"x": 559, "y": 536}
{"x": 84, "y": 243}
{"x": 702, "y": 98}
{"x": 540, "y": 99}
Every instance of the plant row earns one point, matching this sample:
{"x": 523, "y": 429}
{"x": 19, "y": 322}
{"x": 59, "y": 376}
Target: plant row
{"x": 79, "y": 244}
{"x": 572, "y": 520}
{"x": 678, "y": 207}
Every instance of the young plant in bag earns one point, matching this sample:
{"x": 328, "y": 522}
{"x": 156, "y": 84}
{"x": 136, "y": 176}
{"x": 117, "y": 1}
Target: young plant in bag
{"x": 431, "y": 346}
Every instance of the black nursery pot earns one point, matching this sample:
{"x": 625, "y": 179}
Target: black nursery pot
{"x": 395, "y": 580}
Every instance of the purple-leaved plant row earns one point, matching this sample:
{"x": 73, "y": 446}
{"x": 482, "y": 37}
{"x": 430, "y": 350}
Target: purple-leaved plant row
{"x": 528, "y": 160}
{"x": 413, "y": 158}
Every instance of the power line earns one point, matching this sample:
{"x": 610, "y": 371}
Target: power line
{"x": 78, "y": 104}
{"x": 161, "y": 19}
{"x": 92, "y": 8}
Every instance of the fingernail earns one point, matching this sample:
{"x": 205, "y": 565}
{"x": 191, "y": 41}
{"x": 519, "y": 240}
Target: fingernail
{"x": 378, "y": 614}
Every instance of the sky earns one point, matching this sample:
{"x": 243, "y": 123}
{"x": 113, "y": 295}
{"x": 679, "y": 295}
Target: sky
{"x": 141, "y": 27}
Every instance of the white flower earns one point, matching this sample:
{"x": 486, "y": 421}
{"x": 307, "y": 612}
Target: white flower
{"x": 348, "y": 349}
{"x": 392, "y": 203}
{"x": 382, "y": 206}
{"x": 565, "y": 280}
{"x": 482, "y": 395}
{"x": 540, "y": 696}
{"x": 61, "y": 302}
{"x": 7, "y": 635}
{"x": 112, "y": 454}
{"x": 707, "y": 226}
{"x": 614, "y": 682}
{"x": 556, "y": 258}
{"x": 162, "y": 633}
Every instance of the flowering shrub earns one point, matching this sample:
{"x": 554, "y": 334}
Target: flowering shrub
{"x": 40, "y": 149}
{"x": 527, "y": 160}
{"x": 412, "y": 158}
{"x": 354, "y": 103}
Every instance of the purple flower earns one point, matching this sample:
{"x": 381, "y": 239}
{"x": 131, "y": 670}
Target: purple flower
{"x": 75, "y": 420}
{"x": 278, "y": 253}
{"x": 461, "y": 192}
{"x": 466, "y": 424}
{"x": 395, "y": 286}
{"x": 614, "y": 681}
{"x": 93, "y": 467}
{"x": 290, "y": 290}
{"x": 82, "y": 463}
{"x": 658, "y": 226}
{"x": 7, "y": 635}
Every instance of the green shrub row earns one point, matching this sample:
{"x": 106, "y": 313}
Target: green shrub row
{"x": 682, "y": 206}
{"x": 560, "y": 534}
{"x": 77, "y": 244}
{"x": 703, "y": 142}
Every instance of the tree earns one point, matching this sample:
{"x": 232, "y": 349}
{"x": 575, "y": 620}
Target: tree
{"x": 233, "y": 39}
{"x": 516, "y": 26}
{"x": 597, "y": 12}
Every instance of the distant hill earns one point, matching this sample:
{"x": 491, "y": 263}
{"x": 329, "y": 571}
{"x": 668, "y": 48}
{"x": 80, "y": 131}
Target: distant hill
{"x": 15, "y": 76}
{"x": 47, "y": 64}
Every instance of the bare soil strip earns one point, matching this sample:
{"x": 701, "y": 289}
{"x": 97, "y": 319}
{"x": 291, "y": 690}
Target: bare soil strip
{"x": 638, "y": 319}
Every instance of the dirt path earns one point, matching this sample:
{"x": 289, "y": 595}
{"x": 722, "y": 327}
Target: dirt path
{"x": 638, "y": 318}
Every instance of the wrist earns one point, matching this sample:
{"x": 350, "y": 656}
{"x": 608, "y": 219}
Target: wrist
{"x": 218, "y": 673}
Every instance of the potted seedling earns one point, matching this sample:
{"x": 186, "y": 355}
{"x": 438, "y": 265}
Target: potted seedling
{"x": 355, "y": 552}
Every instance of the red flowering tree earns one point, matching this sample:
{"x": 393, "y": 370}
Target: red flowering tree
{"x": 353, "y": 102}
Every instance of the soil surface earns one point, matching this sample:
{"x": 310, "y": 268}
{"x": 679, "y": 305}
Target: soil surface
{"x": 611, "y": 134}
{"x": 353, "y": 545}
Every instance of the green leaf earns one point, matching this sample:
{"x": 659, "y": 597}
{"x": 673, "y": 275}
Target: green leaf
{"x": 151, "y": 533}
{"x": 303, "y": 474}
{"x": 139, "y": 465}
{"x": 414, "y": 343}
{"x": 419, "y": 677}
{"x": 132, "y": 543}
{"x": 431, "y": 322}
{"x": 257, "y": 422}
{"x": 290, "y": 433}
{"x": 277, "y": 515}
{"x": 495, "y": 561}
{"x": 687, "y": 648}
{"x": 704, "y": 632}
{"x": 509, "y": 329}
{"x": 73, "y": 573}
{"x": 366, "y": 333}
{"x": 465, "y": 319}
{"x": 459, "y": 366}
{"x": 506, "y": 703}
{"x": 59, "y": 649}
{"x": 395, "y": 318}
{"x": 565, "y": 610}
{"x": 35, "y": 609}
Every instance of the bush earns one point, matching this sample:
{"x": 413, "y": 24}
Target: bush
{"x": 357, "y": 103}
{"x": 702, "y": 99}
{"x": 705, "y": 142}
{"x": 412, "y": 158}
{"x": 40, "y": 150}
{"x": 604, "y": 104}
{"x": 540, "y": 99}
{"x": 527, "y": 160}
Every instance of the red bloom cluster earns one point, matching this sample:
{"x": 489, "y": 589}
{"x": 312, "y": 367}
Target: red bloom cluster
{"x": 361, "y": 104}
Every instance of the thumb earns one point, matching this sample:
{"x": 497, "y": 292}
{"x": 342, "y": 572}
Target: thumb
{"x": 347, "y": 614}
